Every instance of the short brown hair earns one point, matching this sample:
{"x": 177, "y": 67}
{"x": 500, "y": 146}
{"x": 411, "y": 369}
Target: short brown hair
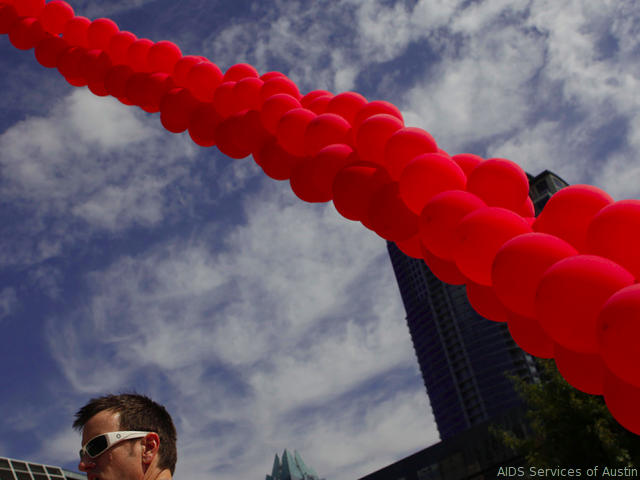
{"x": 137, "y": 412}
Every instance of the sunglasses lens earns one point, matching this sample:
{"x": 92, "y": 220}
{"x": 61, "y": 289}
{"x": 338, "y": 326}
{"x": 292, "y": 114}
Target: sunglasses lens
{"x": 97, "y": 446}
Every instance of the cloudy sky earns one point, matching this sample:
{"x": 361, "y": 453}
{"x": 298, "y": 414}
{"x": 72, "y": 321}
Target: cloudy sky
{"x": 132, "y": 259}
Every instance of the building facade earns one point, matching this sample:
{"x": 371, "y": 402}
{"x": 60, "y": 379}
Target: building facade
{"x": 291, "y": 467}
{"x": 11, "y": 469}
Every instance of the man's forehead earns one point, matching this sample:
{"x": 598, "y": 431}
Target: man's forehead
{"x": 102, "y": 422}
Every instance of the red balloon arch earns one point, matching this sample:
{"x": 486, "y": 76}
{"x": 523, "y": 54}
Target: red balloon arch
{"x": 566, "y": 282}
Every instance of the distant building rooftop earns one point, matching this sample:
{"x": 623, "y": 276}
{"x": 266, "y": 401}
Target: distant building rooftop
{"x": 291, "y": 467}
{"x": 12, "y": 469}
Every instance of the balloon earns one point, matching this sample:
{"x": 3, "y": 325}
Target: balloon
{"x": 182, "y": 68}
{"x": 353, "y": 187}
{"x": 227, "y": 141}
{"x": 203, "y": 79}
{"x": 100, "y": 32}
{"x": 202, "y": 125}
{"x": 527, "y": 209}
{"x": 312, "y": 178}
{"x": 426, "y": 176}
{"x": 276, "y": 162}
{"x": 622, "y": 400}
{"x": 239, "y": 71}
{"x": 49, "y": 49}
{"x": 618, "y": 331}
{"x": 529, "y": 336}
{"x": 411, "y": 247}
{"x": 311, "y": 96}
{"x": 55, "y": 15}
{"x": 570, "y": 295}
{"x": 69, "y": 62}
{"x": 274, "y": 108}
{"x": 319, "y": 105}
{"x": 325, "y": 129}
{"x": 246, "y": 93}
{"x": 389, "y": 216}
{"x": 347, "y": 105}
{"x": 26, "y": 33}
{"x": 118, "y": 48}
{"x": 584, "y": 371}
{"x": 279, "y": 85}
{"x": 485, "y": 302}
{"x": 291, "y": 128}
{"x": 480, "y": 235}
{"x": 224, "y": 99}
{"x": 519, "y": 265}
{"x": 163, "y": 56}
{"x": 250, "y": 132}
{"x": 440, "y": 217}
{"x": 138, "y": 55}
{"x": 500, "y": 183}
{"x": 8, "y": 17}
{"x": 115, "y": 81}
{"x": 156, "y": 85}
{"x": 569, "y": 211}
{"x": 373, "y": 134}
{"x": 614, "y": 232}
{"x": 176, "y": 108}
{"x": 94, "y": 66}
{"x": 445, "y": 270}
{"x": 403, "y": 146}
{"x": 375, "y": 108}
{"x": 467, "y": 161}
{"x": 29, "y": 8}
{"x": 75, "y": 31}
{"x": 269, "y": 75}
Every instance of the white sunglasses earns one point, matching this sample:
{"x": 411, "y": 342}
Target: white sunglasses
{"x": 101, "y": 443}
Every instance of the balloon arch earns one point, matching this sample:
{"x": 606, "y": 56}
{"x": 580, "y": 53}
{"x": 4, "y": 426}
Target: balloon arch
{"x": 566, "y": 282}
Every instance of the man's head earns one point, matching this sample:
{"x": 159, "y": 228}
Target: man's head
{"x": 128, "y": 459}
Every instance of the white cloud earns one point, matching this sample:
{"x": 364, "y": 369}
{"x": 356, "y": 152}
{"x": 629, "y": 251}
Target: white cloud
{"x": 8, "y": 302}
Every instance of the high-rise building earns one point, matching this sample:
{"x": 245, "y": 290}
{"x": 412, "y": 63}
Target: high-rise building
{"x": 462, "y": 356}
{"x": 11, "y": 469}
{"x": 291, "y": 467}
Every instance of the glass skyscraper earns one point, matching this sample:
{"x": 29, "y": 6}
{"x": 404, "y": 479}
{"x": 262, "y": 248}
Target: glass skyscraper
{"x": 463, "y": 357}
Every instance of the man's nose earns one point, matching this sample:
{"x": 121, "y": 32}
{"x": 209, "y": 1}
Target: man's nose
{"x": 85, "y": 464}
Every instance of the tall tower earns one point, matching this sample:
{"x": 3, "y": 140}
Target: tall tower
{"x": 291, "y": 467}
{"x": 463, "y": 357}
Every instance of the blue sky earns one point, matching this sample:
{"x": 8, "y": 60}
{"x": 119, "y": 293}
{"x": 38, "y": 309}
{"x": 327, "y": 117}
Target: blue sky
{"x": 133, "y": 259}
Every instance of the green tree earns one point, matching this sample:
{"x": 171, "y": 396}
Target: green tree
{"x": 569, "y": 428}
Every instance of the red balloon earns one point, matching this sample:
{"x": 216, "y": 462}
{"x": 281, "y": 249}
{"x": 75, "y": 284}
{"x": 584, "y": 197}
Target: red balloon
{"x": 176, "y": 108}
{"x": 94, "y": 66}
{"x": 246, "y": 93}
{"x": 584, "y": 371}
{"x": 182, "y": 68}
{"x": 479, "y": 237}
{"x": 29, "y": 8}
{"x": 274, "y": 108}
{"x": 622, "y": 400}
{"x": 115, "y": 81}
{"x": 49, "y": 49}
{"x": 203, "y": 80}
{"x": 277, "y": 85}
{"x": 527, "y": 210}
{"x": 26, "y": 33}
{"x": 239, "y": 71}
{"x": 100, "y": 32}
{"x": 614, "y": 233}
{"x": 250, "y": 131}
{"x": 138, "y": 55}
{"x": 163, "y": 57}
{"x": 311, "y": 96}
{"x": 389, "y": 216}
{"x": 445, "y": 270}
{"x": 227, "y": 139}
{"x": 312, "y": 178}
{"x": 467, "y": 161}
{"x": 519, "y": 265}
{"x": 347, "y": 105}
{"x": 291, "y": 128}
{"x": 276, "y": 162}
{"x": 568, "y": 213}
{"x": 403, "y": 146}
{"x": 8, "y": 17}
{"x": 55, "y": 15}
{"x": 375, "y": 108}
{"x": 269, "y": 75}
{"x": 500, "y": 183}
{"x": 529, "y": 336}
{"x": 75, "y": 31}
{"x": 618, "y": 331}
{"x": 156, "y": 87}
{"x": 440, "y": 217}
{"x": 353, "y": 187}
{"x": 485, "y": 302}
{"x": 69, "y": 62}
{"x": 118, "y": 48}
{"x": 135, "y": 90}
{"x": 319, "y": 105}
{"x": 202, "y": 125}
{"x": 426, "y": 176}
{"x": 372, "y": 136}
{"x": 411, "y": 247}
{"x": 570, "y": 295}
{"x": 325, "y": 129}
{"x": 224, "y": 99}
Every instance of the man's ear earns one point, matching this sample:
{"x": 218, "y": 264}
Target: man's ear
{"x": 150, "y": 446}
